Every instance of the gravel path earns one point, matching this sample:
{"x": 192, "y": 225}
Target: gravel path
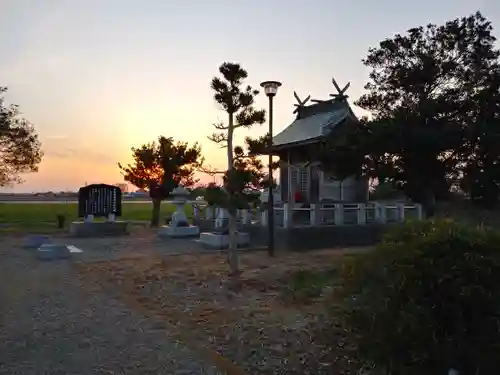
{"x": 141, "y": 241}
{"x": 51, "y": 324}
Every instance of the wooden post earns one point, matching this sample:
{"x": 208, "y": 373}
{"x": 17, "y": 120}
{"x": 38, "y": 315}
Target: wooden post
{"x": 361, "y": 214}
{"x": 290, "y": 186}
{"x": 339, "y": 214}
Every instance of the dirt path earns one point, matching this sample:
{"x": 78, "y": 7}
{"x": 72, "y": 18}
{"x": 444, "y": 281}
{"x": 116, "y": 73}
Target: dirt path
{"x": 51, "y": 323}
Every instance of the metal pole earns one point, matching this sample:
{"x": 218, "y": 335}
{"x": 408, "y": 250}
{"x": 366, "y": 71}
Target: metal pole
{"x": 270, "y": 200}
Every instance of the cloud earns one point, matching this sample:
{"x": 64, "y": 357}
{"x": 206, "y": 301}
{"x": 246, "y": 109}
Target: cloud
{"x": 56, "y": 137}
{"x": 81, "y": 155}
{"x": 67, "y": 147}
{"x": 61, "y": 153}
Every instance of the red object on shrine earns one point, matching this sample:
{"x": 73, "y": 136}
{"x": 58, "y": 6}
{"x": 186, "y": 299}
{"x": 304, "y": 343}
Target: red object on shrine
{"x": 298, "y": 196}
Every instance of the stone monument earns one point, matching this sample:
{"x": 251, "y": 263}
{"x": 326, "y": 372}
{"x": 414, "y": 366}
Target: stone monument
{"x": 179, "y": 226}
{"x": 219, "y": 237}
{"x": 95, "y": 201}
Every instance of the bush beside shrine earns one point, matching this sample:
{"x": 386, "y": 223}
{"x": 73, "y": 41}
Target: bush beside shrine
{"x": 427, "y": 299}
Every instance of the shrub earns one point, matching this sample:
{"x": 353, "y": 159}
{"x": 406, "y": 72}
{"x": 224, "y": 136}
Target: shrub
{"x": 427, "y": 299}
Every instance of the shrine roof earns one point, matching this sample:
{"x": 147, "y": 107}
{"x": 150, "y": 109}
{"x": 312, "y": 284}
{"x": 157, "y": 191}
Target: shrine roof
{"x": 313, "y": 122}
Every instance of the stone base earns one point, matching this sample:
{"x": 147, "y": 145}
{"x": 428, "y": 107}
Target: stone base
{"x": 98, "y": 228}
{"x": 52, "y": 252}
{"x": 34, "y": 241}
{"x": 316, "y": 238}
{"x": 221, "y": 241}
{"x": 178, "y": 232}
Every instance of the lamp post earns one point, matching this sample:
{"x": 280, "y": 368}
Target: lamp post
{"x": 271, "y": 89}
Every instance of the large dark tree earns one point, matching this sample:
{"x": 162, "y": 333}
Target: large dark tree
{"x": 20, "y": 149}
{"x": 481, "y": 156}
{"x": 160, "y": 167}
{"x": 422, "y": 99}
{"x": 237, "y": 100}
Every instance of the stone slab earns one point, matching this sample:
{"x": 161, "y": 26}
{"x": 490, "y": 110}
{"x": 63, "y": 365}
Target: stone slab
{"x": 178, "y": 232}
{"x": 221, "y": 241}
{"x": 34, "y": 241}
{"x": 74, "y": 249}
{"x": 53, "y": 251}
{"x": 98, "y": 228}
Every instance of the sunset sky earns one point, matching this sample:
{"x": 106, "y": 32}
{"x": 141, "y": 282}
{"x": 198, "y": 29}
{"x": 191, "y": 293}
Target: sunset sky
{"x": 97, "y": 77}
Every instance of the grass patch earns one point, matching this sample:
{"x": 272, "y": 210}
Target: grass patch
{"x": 43, "y": 216}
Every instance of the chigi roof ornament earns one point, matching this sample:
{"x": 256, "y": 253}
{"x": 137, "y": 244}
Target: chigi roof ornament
{"x": 301, "y": 103}
{"x": 339, "y": 96}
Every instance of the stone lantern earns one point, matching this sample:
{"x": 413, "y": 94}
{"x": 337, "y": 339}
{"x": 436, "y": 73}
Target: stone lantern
{"x": 179, "y": 225}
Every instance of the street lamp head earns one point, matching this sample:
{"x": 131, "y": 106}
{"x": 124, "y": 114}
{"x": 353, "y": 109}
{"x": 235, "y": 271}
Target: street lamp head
{"x": 270, "y": 87}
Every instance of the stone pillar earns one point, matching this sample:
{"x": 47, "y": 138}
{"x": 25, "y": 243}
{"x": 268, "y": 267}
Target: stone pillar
{"x": 339, "y": 214}
{"x": 314, "y": 215}
{"x": 245, "y": 217}
{"x": 287, "y": 215}
{"x": 380, "y": 213}
{"x": 209, "y": 213}
{"x": 263, "y": 218}
{"x": 222, "y": 218}
{"x": 400, "y": 208}
{"x": 420, "y": 215}
{"x": 361, "y": 214}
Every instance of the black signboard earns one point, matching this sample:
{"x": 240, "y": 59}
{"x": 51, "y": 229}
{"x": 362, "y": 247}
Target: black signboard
{"x": 99, "y": 200}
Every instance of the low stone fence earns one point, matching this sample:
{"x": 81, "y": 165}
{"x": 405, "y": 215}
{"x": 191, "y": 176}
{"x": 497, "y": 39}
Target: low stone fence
{"x": 316, "y": 215}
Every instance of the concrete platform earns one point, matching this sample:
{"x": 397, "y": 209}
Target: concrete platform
{"x": 52, "y": 252}
{"x": 98, "y": 228}
{"x": 221, "y": 241}
{"x": 178, "y": 232}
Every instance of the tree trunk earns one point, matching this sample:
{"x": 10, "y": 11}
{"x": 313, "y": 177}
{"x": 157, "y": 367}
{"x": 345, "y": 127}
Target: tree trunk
{"x": 155, "y": 216}
{"x": 233, "y": 245}
{"x": 233, "y": 239}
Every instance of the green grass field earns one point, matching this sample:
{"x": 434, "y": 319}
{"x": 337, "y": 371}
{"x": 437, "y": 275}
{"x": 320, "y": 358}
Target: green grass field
{"x": 44, "y": 215}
